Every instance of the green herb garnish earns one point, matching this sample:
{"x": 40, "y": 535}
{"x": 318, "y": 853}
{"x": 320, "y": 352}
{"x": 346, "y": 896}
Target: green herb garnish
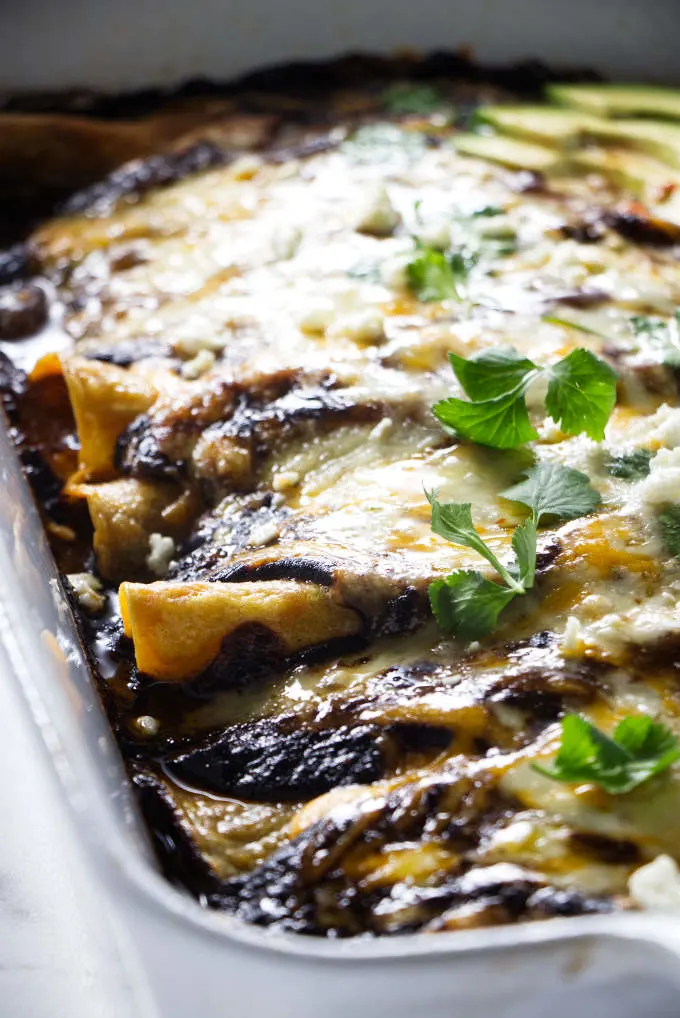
{"x": 630, "y": 466}
{"x": 638, "y": 750}
{"x": 659, "y": 338}
{"x": 581, "y": 395}
{"x": 465, "y": 602}
{"x": 408, "y": 98}
{"x": 554, "y": 491}
{"x": 669, "y": 521}
{"x": 433, "y": 275}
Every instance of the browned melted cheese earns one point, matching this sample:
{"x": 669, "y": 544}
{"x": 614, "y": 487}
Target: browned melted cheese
{"x": 251, "y": 380}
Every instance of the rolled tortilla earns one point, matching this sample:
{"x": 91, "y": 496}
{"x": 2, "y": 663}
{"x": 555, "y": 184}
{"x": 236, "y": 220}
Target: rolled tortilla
{"x": 178, "y": 628}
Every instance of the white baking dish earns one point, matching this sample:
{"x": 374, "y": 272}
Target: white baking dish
{"x": 205, "y": 963}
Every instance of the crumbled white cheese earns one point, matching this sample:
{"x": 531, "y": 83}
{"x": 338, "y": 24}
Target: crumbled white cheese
{"x": 264, "y": 534}
{"x": 375, "y": 213}
{"x": 656, "y": 885}
{"x": 285, "y": 242}
{"x": 660, "y": 428}
{"x": 317, "y": 317}
{"x": 193, "y": 343}
{"x": 572, "y": 642}
{"x": 285, "y": 479}
{"x": 161, "y": 552}
{"x": 362, "y": 327}
{"x": 393, "y": 274}
{"x": 663, "y": 483}
{"x": 87, "y": 589}
{"x": 435, "y": 234}
{"x": 381, "y": 429}
{"x": 199, "y": 365}
{"x": 516, "y": 835}
{"x": 639, "y": 624}
{"x": 147, "y": 725}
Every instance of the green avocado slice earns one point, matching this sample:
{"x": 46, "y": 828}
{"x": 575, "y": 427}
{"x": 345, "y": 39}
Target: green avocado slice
{"x": 619, "y": 100}
{"x": 658, "y": 139}
{"x": 517, "y": 155}
{"x": 547, "y": 125}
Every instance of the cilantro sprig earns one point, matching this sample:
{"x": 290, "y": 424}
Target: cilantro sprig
{"x": 435, "y": 275}
{"x": 466, "y": 603}
{"x": 638, "y": 750}
{"x": 580, "y": 397}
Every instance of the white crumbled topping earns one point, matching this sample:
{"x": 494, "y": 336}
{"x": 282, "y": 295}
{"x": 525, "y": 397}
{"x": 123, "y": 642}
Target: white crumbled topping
{"x": 656, "y": 885}
{"x": 375, "y": 213}
{"x": 640, "y": 624}
{"x": 362, "y": 327}
{"x": 663, "y": 483}
{"x": 147, "y": 725}
{"x": 381, "y": 429}
{"x": 571, "y": 642}
{"x": 199, "y": 365}
{"x": 264, "y": 534}
{"x": 660, "y": 428}
{"x": 393, "y": 272}
{"x": 286, "y": 242}
{"x": 435, "y": 234}
{"x": 285, "y": 479}
{"x": 161, "y": 552}
{"x": 193, "y": 343}
{"x": 87, "y": 589}
{"x": 317, "y": 317}
{"x": 516, "y": 835}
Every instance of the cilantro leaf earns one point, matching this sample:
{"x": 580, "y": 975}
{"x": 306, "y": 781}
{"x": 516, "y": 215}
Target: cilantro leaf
{"x": 501, "y": 423}
{"x": 432, "y": 276}
{"x": 659, "y": 338}
{"x": 639, "y": 749}
{"x": 453, "y": 520}
{"x": 404, "y": 97}
{"x": 551, "y": 489}
{"x": 492, "y": 373}
{"x": 630, "y": 466}
{"x": 669, "y": 521}
{"x": 581, "y": 393}
{"x": 467, "y": 604}
{"x": 524, "y": 547}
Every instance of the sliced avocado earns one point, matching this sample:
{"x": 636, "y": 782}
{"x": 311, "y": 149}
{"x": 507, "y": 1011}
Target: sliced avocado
{"x": 619, "y": 100}
{"x": 655, "y": 138}
{"x": 547, "y": 125}
{"x": 518, "y": 155}
{"x": 631, "y": 171}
